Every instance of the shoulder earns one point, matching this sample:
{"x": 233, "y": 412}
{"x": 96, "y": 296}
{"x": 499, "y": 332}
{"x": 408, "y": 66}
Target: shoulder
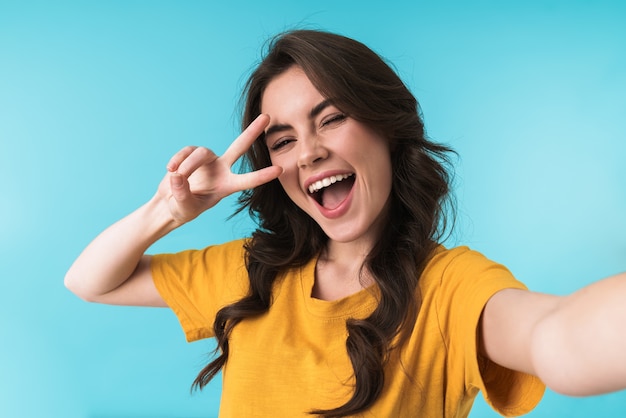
{"x": 214, "y": 261}
{"x": 462, "y": 263}
{"x": 228, "y": 251}
{"x": 464, "y": 276}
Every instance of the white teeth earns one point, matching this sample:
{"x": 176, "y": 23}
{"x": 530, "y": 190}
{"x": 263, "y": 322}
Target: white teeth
{"x": 320, "y": 184}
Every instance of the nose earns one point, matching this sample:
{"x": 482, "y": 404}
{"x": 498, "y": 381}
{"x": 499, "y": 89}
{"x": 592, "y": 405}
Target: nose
{"x": 311, "y": 151}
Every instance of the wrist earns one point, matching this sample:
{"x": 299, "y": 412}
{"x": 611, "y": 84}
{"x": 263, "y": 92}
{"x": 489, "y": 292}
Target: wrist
{"x": 157, "y": 217}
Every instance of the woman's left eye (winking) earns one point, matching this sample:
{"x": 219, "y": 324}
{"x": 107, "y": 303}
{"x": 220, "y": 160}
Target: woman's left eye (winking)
{"x": 334, "y": 118}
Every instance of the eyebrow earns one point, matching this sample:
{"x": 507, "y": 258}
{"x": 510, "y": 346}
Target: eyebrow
{"x": 315, "y": 111}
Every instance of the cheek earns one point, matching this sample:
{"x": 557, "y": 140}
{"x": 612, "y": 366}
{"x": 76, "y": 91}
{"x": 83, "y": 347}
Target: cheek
{"x": 272, "y": 156}
{"x": 289, "y": 181}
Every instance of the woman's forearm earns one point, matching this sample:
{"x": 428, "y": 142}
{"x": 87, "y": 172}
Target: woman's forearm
{"x": 112, "y": 257}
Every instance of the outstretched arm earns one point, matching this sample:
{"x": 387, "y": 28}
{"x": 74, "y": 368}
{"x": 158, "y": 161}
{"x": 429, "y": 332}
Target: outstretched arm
{"x": 113, "y": 268}
{"x": 576, "y": 344}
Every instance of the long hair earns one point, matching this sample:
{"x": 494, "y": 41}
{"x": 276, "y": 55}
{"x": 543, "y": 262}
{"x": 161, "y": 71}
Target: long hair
{"x": 363, "y": 86}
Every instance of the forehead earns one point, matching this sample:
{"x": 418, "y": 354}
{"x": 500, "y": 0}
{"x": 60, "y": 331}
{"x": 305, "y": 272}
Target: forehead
{"x": 290, "y": 91}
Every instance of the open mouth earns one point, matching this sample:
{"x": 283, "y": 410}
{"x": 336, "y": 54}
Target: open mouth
{"x": 331, "y": 191}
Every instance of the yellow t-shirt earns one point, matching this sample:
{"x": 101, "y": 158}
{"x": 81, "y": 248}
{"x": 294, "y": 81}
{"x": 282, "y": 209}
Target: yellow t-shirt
{"x": 293, "y": 359}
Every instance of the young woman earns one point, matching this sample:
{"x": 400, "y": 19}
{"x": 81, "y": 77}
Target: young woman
{"x": 343, "y": 302}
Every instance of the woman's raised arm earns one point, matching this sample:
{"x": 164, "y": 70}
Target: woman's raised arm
{"x": 113, "y": 268}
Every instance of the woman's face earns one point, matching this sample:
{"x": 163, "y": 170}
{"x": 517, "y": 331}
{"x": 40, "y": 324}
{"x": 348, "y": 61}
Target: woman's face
{"x": 335, "y": 169}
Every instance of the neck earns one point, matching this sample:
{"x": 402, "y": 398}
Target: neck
{"x": 339, "y": 271}
{"x": 351, "y": 252}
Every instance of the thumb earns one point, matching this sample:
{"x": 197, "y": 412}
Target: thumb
{"x": 179, "y": 186}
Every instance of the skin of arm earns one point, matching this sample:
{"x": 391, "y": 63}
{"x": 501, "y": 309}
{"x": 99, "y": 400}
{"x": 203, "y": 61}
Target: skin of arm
{"x": 575, "y": 344}
{"x": 113, "y": 269}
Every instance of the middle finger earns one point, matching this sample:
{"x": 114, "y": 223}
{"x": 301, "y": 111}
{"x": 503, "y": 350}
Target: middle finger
{"x": 197, "y": 158}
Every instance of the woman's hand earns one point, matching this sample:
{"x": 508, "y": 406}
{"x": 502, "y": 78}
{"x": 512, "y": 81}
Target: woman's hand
{"x": 198, "y": 179}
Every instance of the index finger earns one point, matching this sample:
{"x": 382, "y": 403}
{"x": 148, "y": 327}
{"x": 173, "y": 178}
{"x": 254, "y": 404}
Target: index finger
{"x": 244, "y": 141}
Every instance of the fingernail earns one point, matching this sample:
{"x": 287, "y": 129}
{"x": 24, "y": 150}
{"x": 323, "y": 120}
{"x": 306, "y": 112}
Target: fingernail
{"x": 177, "y": 180}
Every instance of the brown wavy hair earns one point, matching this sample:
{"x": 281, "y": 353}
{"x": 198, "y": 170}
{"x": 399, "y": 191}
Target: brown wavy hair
{"x": 363, "y": 86}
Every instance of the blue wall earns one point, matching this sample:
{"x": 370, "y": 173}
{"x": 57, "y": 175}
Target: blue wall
{"x": 96, "y": 96}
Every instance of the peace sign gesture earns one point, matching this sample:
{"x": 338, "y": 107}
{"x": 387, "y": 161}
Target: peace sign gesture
{"x": 198, "y": 179}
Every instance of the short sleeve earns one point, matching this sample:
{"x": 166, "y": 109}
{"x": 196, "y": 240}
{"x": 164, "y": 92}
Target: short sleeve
{"x": 468, "y": 281}
{"x": 195, "y": 284}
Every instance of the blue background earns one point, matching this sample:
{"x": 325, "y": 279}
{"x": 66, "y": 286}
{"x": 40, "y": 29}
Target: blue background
{"x": 96, "y": 96}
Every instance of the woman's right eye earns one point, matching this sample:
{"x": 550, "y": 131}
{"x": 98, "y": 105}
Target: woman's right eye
{"x": 280, "y": 143}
